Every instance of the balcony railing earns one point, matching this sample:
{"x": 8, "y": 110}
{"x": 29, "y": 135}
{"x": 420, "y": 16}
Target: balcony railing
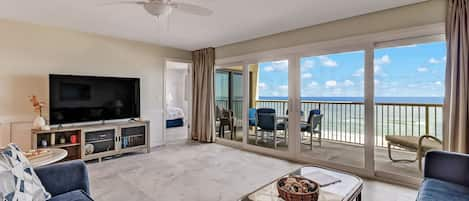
{"x": 344, "y": 121}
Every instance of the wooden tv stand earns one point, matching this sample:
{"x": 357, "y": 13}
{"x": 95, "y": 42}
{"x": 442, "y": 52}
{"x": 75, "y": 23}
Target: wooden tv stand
{"x": 96, "y": 141}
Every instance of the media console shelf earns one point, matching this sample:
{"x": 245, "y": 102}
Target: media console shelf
{"x": 96, "y": 141}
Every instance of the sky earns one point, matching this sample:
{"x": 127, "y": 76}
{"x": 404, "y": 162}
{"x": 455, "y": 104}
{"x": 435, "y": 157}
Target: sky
{"x": 405, "y": 71}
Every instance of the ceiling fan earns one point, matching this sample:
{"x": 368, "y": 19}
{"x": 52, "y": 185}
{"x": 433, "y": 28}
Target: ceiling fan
{"x": 165, "y": 7}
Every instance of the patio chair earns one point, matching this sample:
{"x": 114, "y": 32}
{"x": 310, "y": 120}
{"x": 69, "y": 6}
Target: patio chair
{"x": 267, "y": 122}
{"x": 313, "y": 126}
{"x": 421, "y": 145}
{"x": 225, "y": 119}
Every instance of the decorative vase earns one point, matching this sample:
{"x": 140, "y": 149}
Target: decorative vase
{"x": 52, "y": 139}
{"x": 45, "y": 128}
{"x": 73, "y": 139}
{"x": 44, "y": 143}
{"x": 39, "y": 122}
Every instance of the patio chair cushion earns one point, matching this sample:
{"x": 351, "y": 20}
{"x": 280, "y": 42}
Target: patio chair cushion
{"x": 434, "y": 189}
{"x": 413, "y": 141}
{"x": 305, "y": 127}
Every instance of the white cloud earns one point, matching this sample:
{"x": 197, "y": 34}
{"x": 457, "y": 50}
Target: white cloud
{"x": 378, "y": 71}
{"x": 359, "y": 72}
{"x": 307, "y": 75}
{"x": 348, "y": 83}
{"x": 313, "y": 84}
{"x": 377, "y": 82}
{"x": 277, "y": 66}
{"x": 444, "y": 58}
{"x": 308, "y": 64}
{"x": 437, "y": 83}
{"x": 263, "y": 86}
{"x": 385, "y": 59}
{"x": 434, "y": 61}
{"x": 326, "y": 61}
{"x": 337, "y": 92}
{"x": 422, "y": 69}
{"x": 283, "y": 87}
{"x": 268, "y": 69}
{"x": 407, "y": 46}
{"x": 331, "y": 83}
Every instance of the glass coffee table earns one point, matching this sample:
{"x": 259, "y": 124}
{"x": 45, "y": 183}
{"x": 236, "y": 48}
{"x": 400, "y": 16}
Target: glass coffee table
{"x": 335, "y": 186}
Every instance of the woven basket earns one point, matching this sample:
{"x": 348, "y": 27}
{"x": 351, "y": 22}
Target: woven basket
{"x": 292, "y": 196}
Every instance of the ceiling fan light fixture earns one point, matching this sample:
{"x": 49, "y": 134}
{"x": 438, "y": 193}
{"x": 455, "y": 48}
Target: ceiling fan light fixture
{"x": 157, "y": 9}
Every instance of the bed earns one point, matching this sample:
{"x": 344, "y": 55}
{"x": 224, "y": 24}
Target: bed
{"x": 174, "y": 117}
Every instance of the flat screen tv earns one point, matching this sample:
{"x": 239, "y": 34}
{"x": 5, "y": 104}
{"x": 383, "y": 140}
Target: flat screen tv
{"x": 75, "y": 99}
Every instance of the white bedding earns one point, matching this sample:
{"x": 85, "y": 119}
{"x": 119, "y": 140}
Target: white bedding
{"x": 173, "y": 113}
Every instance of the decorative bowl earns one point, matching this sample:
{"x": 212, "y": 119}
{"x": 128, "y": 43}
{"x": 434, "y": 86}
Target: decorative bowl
{"x": 297, "y": 188}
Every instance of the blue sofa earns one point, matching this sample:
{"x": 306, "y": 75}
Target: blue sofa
{"x": 67, "y": 181}
{"x": 446, "y": 177}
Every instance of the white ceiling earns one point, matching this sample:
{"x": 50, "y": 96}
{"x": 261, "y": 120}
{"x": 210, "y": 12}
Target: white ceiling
{"x": 232, "y": 21}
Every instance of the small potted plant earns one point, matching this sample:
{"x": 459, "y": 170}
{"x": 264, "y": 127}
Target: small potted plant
{"x": 39, "y": 122}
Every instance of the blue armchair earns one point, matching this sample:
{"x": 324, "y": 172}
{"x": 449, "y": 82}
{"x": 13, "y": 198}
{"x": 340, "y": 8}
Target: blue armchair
{"x": 67, "y": 181}
{"x": 445, "y": 177}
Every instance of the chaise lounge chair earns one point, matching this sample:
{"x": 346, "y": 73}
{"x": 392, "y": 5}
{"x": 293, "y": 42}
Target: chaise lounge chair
{"x": 421, "y": 145}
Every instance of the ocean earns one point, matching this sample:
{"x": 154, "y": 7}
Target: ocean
{"x": 419, "y": 100}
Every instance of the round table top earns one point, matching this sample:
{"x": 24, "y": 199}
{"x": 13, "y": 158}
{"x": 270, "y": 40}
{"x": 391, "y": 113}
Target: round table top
{"x": 55, "y": 156}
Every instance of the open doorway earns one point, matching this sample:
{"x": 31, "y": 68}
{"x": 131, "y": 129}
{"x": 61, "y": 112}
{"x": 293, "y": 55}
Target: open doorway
{"x": 178, "y": 94}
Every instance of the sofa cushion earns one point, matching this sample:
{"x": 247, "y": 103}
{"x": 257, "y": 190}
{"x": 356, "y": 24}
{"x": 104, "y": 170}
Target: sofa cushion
{"x": 77, "y": 195}
{"x": 19, "y": 181}
{"x": 438, "y": 190}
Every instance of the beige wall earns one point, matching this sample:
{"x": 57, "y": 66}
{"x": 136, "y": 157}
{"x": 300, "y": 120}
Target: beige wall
{"x": 28, "y": 53}
{"x": 428, "y": 12}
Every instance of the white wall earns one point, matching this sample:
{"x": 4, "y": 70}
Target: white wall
{"x": 28, "y": 53}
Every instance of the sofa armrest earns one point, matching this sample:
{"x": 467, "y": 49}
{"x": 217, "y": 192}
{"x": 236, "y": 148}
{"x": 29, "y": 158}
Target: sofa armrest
{"x": 64, "y": 177}
{"x": 447, "y": 166}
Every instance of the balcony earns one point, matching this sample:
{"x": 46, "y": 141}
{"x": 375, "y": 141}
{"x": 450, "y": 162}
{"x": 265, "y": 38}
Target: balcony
{"x": 343, "y": 129}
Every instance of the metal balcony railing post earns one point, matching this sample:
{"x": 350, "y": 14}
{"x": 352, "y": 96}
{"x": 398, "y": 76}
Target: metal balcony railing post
{"x": 427, "y": 121}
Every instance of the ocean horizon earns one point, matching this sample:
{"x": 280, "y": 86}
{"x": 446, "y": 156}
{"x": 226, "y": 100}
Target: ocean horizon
{"x": 420, "y": 100}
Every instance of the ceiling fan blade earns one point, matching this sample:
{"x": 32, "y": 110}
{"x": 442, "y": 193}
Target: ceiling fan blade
{"x": 124, "y": 2}
{"x": 193, "y": 9}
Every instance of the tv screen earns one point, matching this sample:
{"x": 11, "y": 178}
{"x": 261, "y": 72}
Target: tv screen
{"x": 76, "y": 99}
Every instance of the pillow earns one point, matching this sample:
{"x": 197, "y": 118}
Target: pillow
{"x": 19, "y": 181}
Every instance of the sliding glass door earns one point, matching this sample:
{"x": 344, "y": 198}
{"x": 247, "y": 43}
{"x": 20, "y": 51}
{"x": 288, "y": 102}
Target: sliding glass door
{"x": 229, "y": 102}
{"x": 332, "y": 108}
{"x": 409, "y": 93}
{"x": 268, "y": 104}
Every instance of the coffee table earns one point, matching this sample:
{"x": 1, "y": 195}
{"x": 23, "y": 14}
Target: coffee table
{"x": 349, "y": 187}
